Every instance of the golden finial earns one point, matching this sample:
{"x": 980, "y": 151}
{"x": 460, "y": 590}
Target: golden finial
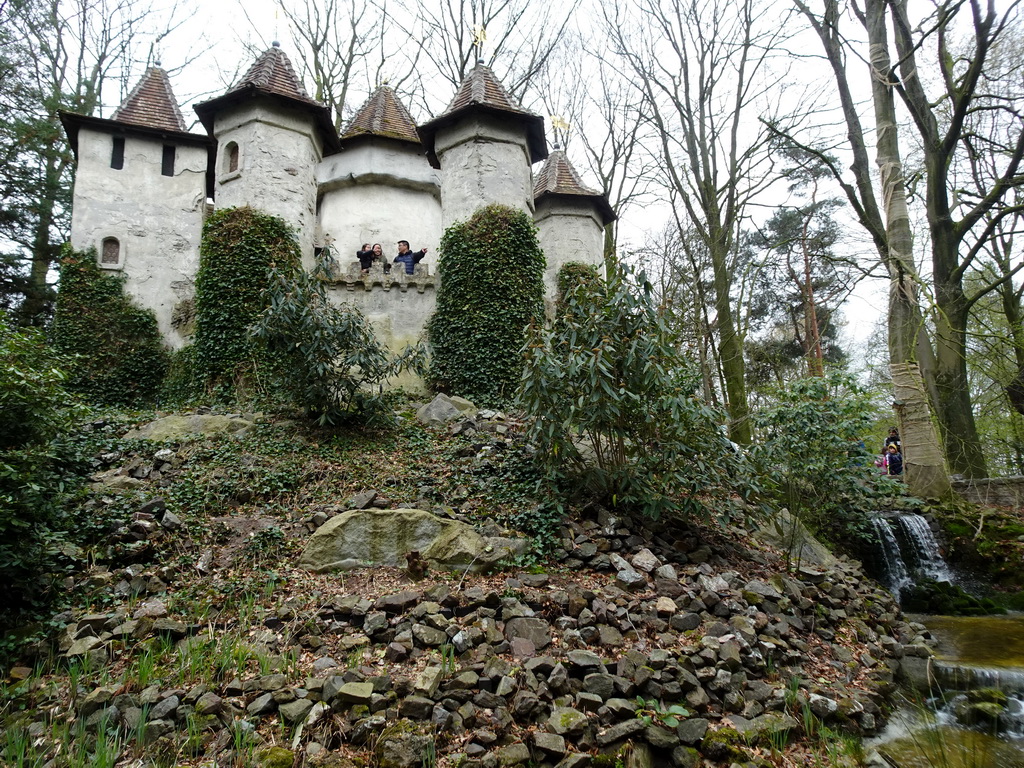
{"x": 479, "y": 37}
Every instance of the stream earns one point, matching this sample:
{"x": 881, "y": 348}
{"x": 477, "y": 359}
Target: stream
{"x": 976, "y": 718}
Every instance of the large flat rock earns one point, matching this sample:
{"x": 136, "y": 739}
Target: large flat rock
{"x": 365, "y": 537}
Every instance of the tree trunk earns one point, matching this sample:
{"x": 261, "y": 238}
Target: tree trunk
{"x": 906, "y": 324}
{"x": 730, "y": 347}
{"x": 923, "y": 464}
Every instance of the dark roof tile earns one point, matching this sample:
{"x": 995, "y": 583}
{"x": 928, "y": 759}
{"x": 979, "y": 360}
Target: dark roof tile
{"x": 382, "y": 115}
{"x": 151, "y": 104}
{"x": 272, "y": 72}
{"x": 558, "y": 177}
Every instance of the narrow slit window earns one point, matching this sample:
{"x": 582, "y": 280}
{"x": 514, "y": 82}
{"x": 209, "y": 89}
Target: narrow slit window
{"x": 111, "y": 251}
{"x": 117, "y": 153}
{"x": 167, "y": 168}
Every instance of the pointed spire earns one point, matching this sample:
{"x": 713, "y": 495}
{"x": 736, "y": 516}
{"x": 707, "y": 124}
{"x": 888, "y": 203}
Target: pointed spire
{"x": 482, "y": 92}
{"x": 558, "y": 177}
{"x": 382, "y": 115}
{"x": 482, "y": 87}
{"x": 151, "y": 104}
{"x": 273, "y": 73}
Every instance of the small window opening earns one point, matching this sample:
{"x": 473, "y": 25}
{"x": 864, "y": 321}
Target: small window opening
{"x": 111, "y": 251}
{"x": 167, "y": 169}
{"x": 231, "y": 158}
{"x": 117, "y": 153}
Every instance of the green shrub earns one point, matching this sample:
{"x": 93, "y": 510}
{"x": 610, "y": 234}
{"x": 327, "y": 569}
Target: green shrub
{"x": 811, "y": 450}
{"x": 612, "y": 409}
{"x": 571, "y": 275}
{"x": 327, "y": 358}
{"x": 238, "y": 250}
{"x": 115, "y": 354}
{"x": 491, "y": 271}
{"x": 34, "y": 409}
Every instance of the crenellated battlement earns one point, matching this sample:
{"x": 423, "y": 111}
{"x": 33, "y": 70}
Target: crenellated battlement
{"x": 351, "y": 277}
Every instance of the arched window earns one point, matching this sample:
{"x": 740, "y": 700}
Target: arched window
{"x": 231, "y": 158}
{"x": 111, "y": 254}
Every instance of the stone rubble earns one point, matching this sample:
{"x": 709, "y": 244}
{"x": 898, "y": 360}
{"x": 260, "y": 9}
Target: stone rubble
{"x": 555, "y": 668}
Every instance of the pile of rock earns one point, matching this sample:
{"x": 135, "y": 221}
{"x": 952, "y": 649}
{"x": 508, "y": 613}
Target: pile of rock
{"x": 551, "y": 669}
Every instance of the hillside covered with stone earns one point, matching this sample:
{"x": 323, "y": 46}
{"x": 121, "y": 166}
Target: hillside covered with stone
{"x": 203, "y": 634}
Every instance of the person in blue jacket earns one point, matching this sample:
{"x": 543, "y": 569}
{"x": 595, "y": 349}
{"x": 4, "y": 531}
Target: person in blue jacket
{"x": 407, "y": 257}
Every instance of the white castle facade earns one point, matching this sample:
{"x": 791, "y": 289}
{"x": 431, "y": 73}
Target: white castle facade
{"x": 144, "y": 186}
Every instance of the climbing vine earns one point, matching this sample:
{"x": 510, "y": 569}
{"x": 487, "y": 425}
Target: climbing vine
{"x": 114, "y": 351}
{"x": 491, "y": 289}
{"x": 238, "y": 250}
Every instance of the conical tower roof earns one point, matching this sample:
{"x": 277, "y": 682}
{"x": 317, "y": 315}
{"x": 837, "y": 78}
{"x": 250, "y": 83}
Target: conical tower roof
{"x": 558, "y": 178}
{"x": 482, "y": 92}
{"x": 273, "y": 76}
{"x": 382, "y": 115}
{"x": 151, "y": 104}
{"x": 149, "y": 110}
{"x": 273, "y": 73}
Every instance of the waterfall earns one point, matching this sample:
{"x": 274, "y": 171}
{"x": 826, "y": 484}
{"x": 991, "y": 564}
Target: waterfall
{"x": 964, "y": 678}
{"x": 925, "y": 548}
{"x": 896, "y": 573}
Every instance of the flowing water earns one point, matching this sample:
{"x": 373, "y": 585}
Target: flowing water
{"x": 974, "y": 653}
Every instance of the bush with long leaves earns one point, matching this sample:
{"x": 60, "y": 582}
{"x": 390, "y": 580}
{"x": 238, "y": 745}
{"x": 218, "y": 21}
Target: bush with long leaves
{"x": 613, "y": 410}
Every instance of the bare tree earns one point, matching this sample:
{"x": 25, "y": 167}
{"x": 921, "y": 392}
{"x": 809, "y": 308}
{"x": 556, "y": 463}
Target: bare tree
{"x": 76, "y": 55}
{"x": 708, "y": 71}
{"x": 961, "y": 92}
{"x": 516, "y": 38}
{"x": 337, "y": 37}
{"x": 601, "y": 120}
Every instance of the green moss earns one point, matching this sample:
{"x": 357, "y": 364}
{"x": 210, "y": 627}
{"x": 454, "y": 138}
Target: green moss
{"x": 723, "y": 746}
{"x": 275, "y": 757}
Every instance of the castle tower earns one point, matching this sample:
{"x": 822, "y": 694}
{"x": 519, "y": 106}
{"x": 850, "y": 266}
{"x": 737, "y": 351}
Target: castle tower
{"x": 270, "y": 137}
{"x": 140, "y": 197}
{"x": 570, "y": 218}
{"x": 380, "y": 187}
{"x": 484, "y": 143}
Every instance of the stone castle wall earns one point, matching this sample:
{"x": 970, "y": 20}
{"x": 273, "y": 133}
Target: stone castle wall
{"x": 156, "y": 219}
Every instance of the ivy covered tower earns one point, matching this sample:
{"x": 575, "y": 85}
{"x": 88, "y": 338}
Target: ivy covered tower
{"x": 485, "y": 144}
{"x": 270, "y": 137}
{"x": 140, "y": 195}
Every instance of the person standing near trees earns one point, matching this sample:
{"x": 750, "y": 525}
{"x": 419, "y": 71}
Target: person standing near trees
{"x": 407, "y": 257}
{"x": 893, "y": 439}
{"x": 894, "y": 460}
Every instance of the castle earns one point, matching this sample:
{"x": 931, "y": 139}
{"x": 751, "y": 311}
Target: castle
{"x": 144, "y": 185}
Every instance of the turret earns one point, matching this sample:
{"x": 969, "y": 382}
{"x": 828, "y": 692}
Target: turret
{"x": 140, "y": 198}
{"x": 379, "y": 187}
{"x": 484, "y": 143}
{"x": 270, "y": 137}
{"x": 570, "y": 218}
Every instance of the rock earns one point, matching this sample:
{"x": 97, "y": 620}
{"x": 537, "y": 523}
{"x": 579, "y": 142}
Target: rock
{"x": 82, "y": 646}
{"x": 416, "y": 708}
{"x": 537, "y": 631}
{"x": 631, "y": 581}
{"x": 428, "y": 680}
{"x": 97, "y": 698}
{"x": 566, "y": 721}
{"x": 164, "y": 709}
{"x": 401, "y": 745}
{"x": 355, "y": 693}
{"x": 428, "y": 636}
{"x": 209, "y": 704}
{"x": 514, "y": 754}
{"x": 549, "y": 743}
{"x": 358, "y": 538}
{"x": 182, "y": 428}
{"x": 692, "y": 730}
{"x": 789, "y": 534}
{"x": 620, "y": 732}
{"x": 153, "y": 609}
{"x": 262, "y": 705}
{"x": 440, "y": 410}
{"x": 295, "y": 711}
{"x": 645, "y": 561}
{"x": 171, "y": 521}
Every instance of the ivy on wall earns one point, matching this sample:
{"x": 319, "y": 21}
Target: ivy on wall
{"x": 239, "y": 247}
{"x": 114, "y": 349}
{"x": 570, "y": 275}
{"x": 491, "y": 288}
